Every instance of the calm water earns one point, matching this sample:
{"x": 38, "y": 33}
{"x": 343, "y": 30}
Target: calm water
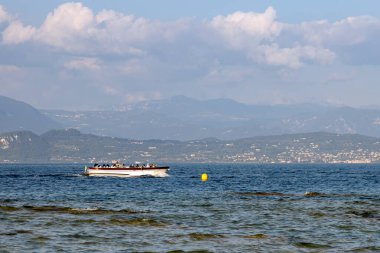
{"x": 242, "y": 208}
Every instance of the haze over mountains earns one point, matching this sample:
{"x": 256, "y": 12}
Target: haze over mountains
{"x": 179, "y": 130}
{"x": 183, "y": 118}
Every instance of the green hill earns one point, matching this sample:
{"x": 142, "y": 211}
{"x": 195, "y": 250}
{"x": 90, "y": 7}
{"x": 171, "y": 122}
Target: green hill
{"x": 73, "y": 146}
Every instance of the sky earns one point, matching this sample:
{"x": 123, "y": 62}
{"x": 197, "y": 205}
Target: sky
{"x": 96, "y": 54}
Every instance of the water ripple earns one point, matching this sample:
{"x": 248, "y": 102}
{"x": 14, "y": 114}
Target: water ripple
{"x": 241, "y": 208}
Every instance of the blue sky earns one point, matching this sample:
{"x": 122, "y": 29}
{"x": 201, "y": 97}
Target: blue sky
{"x": 96, "y": 54}
{"x": 288, "y": 10}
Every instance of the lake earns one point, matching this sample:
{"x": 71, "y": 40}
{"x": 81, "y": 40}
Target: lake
{"x": 241, "y": 208}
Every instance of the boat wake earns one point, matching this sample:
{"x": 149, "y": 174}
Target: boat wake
{"x": 126, "y": 176}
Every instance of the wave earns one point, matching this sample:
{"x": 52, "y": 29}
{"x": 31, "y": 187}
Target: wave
{"x": 342, "y": 195}
{"x": 68, "y": 210}
{"x": 139, "y": 222}
{"x": 309, "y": 245}
{"x": 144, "y": 222}
{"x": 38, "y": 175}
{"x": 74, "y": 175}
{"x": 7, "y": 200}
{"x": 306, "y": 194}
{"x": 256, "y": 236}
{"x": 16, "y": 232}
{"x": 203, "y": 236}
{"x": 262, "y": 194}
{"x": 314, "y": 194}
{"x": 367, "y": 249}
{"x": 78, "y": 210}
{"x": 365, "y": 213}
{"x": 9, "y": 208}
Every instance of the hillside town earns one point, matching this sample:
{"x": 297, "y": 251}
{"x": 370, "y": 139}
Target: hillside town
{"x": 71, "y": 146}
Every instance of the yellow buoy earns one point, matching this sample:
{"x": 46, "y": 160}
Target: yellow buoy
{"x": 204, "y": 177}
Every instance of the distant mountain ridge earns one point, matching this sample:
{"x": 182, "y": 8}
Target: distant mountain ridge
{"x": 185, "y": 118}
{"x": 16, "y": 115}
{"x": 67, "y": 146}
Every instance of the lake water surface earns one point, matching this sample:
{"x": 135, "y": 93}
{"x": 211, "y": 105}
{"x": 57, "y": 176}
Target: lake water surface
{"x": 241, "y": 208}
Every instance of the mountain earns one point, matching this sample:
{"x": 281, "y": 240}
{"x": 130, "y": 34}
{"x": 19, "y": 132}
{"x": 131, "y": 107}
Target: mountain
{"x": 184, "y": 118}
{"x": 16, "y": 115}
{"x": 23, "y": 146}
{"x": 73, "y": 146}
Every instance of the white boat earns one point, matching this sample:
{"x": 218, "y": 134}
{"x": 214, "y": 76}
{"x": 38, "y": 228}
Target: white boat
{"x": 133, "y": 170}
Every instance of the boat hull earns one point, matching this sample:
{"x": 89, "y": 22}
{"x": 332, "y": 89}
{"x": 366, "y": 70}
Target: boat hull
{"x": 127, "y": 172}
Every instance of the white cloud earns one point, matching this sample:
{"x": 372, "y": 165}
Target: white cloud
{"x": 67, "y": 26}
{"x": 219, "y": 74}
{"x": 8, "y": 68}
{"x": 352, "y": 30}
{"x": 131, "y": 68}
{"x": 17, "y": 33}
{"x": 348, "y": 31}
{"x": 73, "y": 27}
{"x": 259, "y": 37}
{"x": 242, "y": 28}
{"x": 273, "y": 55}
{"x": 123, "y": 28}
{"x": 110, "y": 90}
{"x": 84, "y": 63}
{"x": 130, "y": 34}
{"x": 293, "y": 57}
{"x": 125, "y": 54}
{"x": 4, "y": 16}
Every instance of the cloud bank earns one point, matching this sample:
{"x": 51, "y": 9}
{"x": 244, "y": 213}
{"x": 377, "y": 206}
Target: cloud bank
{"x": 125, "y": 53}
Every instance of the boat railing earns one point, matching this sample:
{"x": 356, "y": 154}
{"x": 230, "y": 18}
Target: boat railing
{"x": 122, "y": 165}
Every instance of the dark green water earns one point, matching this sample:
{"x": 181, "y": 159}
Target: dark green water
{"x": 242, "y": 208}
